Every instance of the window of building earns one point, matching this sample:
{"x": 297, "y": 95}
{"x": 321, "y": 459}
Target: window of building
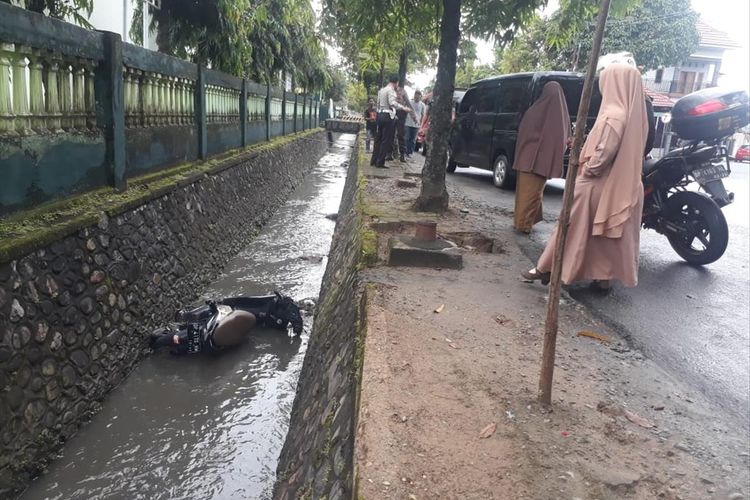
{"x": 659, "y": 75}
{"x": 686, "y": 82}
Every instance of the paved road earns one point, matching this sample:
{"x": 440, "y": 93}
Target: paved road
{"x": 693, "y": 321}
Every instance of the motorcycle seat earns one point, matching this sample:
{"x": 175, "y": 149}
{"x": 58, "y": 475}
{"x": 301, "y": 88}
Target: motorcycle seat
{"x": 649, "y": 166}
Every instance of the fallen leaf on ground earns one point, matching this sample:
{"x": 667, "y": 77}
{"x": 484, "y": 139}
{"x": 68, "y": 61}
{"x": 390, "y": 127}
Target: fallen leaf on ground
{"x": 488, "y": 431}
{"x": 440, "y": 308}
{"x": 454, "y": 346}
{"x": 594, "y": 335}
{"x": 637, "y": 419}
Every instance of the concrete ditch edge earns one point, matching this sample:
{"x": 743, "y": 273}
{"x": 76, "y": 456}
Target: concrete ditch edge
{"x": 317, "y": 460}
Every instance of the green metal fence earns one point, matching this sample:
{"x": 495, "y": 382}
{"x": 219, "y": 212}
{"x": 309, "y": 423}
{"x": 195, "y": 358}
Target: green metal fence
{"x": 80, "y": 109}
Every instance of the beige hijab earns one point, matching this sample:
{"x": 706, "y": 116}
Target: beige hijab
{"x": 543, "y": 134}
{"x": 624, "y": 110}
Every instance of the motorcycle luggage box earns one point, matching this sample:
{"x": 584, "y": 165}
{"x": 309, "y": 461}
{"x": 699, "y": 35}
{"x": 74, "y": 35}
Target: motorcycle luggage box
{"x": 710, "y": 114}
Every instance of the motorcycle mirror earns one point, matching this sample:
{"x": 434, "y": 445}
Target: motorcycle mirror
{"x": 666, "y": 118}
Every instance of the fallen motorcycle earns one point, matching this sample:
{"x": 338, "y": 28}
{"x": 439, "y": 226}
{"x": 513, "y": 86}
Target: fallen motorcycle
{"x": 217, "y": 325}
{"x": 683, "y": 190}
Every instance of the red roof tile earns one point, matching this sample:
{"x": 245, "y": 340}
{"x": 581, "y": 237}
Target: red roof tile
{"x": 659, "y": 99}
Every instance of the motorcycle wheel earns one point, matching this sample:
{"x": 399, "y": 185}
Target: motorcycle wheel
{"x": 707, "y": 234}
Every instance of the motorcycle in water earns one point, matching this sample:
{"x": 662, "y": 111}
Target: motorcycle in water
{"x": 217, "y": 325}
{"x": 691, "y": 218}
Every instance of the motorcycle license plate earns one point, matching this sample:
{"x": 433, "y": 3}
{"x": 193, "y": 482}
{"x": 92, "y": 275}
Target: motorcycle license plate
{"x": 709, "y": 173}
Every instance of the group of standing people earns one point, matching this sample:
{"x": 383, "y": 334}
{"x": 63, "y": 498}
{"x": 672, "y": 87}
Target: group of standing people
{"x": 603, "y": 237}
{"x": 392, "y": 122}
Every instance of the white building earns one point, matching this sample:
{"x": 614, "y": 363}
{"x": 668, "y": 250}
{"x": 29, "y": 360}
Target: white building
{"x": 112, "y": 15}
{"x": 701, "y": 70}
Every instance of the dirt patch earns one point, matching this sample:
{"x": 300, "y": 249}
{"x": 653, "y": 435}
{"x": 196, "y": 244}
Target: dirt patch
{"x": 448, "y": 399}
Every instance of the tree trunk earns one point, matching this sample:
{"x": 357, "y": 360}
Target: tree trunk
{"x": 402, "y": 60}
{"x": 433, "y": 196}
{"x": 382, "y": 72}
{"x": 553, "y": 302}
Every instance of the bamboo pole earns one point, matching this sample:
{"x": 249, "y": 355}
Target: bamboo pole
{"x": 553, "y": 304}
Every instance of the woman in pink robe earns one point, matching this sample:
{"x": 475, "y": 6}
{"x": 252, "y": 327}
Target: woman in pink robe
{"x": 603, "y": 238}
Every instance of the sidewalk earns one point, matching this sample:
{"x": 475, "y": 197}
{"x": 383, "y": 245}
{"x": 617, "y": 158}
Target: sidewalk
{"x": 448, "y": 401}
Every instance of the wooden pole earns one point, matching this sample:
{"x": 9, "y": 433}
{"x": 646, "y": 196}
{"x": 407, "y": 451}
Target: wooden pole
{"x": 553, "y": 304}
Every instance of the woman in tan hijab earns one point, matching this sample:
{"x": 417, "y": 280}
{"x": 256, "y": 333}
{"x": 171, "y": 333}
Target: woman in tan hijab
{"x": 604, "y": 232}
{"x": 542, "y": 139}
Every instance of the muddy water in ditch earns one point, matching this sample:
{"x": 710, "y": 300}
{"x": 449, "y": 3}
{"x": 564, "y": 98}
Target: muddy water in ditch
{"x": 197, "y": 428}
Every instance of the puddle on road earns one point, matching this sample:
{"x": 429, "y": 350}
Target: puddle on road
{"x": 199, "y": 427}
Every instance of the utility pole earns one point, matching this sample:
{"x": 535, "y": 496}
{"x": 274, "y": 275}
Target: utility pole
{"x": 553, "y": 304}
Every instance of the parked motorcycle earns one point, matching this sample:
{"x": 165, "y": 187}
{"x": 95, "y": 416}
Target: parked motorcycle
{"x": 684, "y": 191}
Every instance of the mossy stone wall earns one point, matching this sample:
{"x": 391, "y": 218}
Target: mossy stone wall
{"x": 75, "y": 311}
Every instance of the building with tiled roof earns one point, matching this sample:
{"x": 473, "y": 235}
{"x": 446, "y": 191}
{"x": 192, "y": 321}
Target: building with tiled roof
{"x": 711, "y": 37}
{"x": 699, "y": 71}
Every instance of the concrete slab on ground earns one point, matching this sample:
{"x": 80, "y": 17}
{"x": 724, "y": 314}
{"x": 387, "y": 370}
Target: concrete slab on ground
{"x": 411, "y": 252}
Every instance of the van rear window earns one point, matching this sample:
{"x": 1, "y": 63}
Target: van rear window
{"x": 572, "y": 88}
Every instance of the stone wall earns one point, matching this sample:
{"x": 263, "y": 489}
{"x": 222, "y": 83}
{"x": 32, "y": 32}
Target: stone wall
{"x": 317, "y": 458}
{"x": 74, "y": 314}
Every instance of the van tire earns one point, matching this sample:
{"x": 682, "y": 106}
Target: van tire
{"x": 502, "y": 175}
{"x": 450, "y": 164}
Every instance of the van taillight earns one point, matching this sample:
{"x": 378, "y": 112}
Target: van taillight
{"x": 707, "y": 107}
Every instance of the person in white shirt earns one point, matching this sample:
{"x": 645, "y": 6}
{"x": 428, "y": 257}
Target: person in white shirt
{"x": 386, "y": 106}
{"x": 413, "y": 121}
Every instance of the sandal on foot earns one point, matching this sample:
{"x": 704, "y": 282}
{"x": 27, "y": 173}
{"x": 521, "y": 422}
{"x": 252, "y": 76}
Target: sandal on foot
{"x": 603, "y": 285}
{"x": 534, "y": 275}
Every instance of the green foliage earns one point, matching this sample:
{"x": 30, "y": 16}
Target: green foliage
{"x": 497, "y": 19}
{"x": 257, "y": 39}
{"x": 356, "y": 95}
{"x": 657, "y": 32}
{"x": 530, "y": 51}
{"x": 375, "y": 36}
{"x": 338, "y": 88}
{"x": 77, "y": 11}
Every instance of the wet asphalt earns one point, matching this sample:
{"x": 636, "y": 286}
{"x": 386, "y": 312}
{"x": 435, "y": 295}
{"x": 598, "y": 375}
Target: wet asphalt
{"x": 692, "y": 321}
